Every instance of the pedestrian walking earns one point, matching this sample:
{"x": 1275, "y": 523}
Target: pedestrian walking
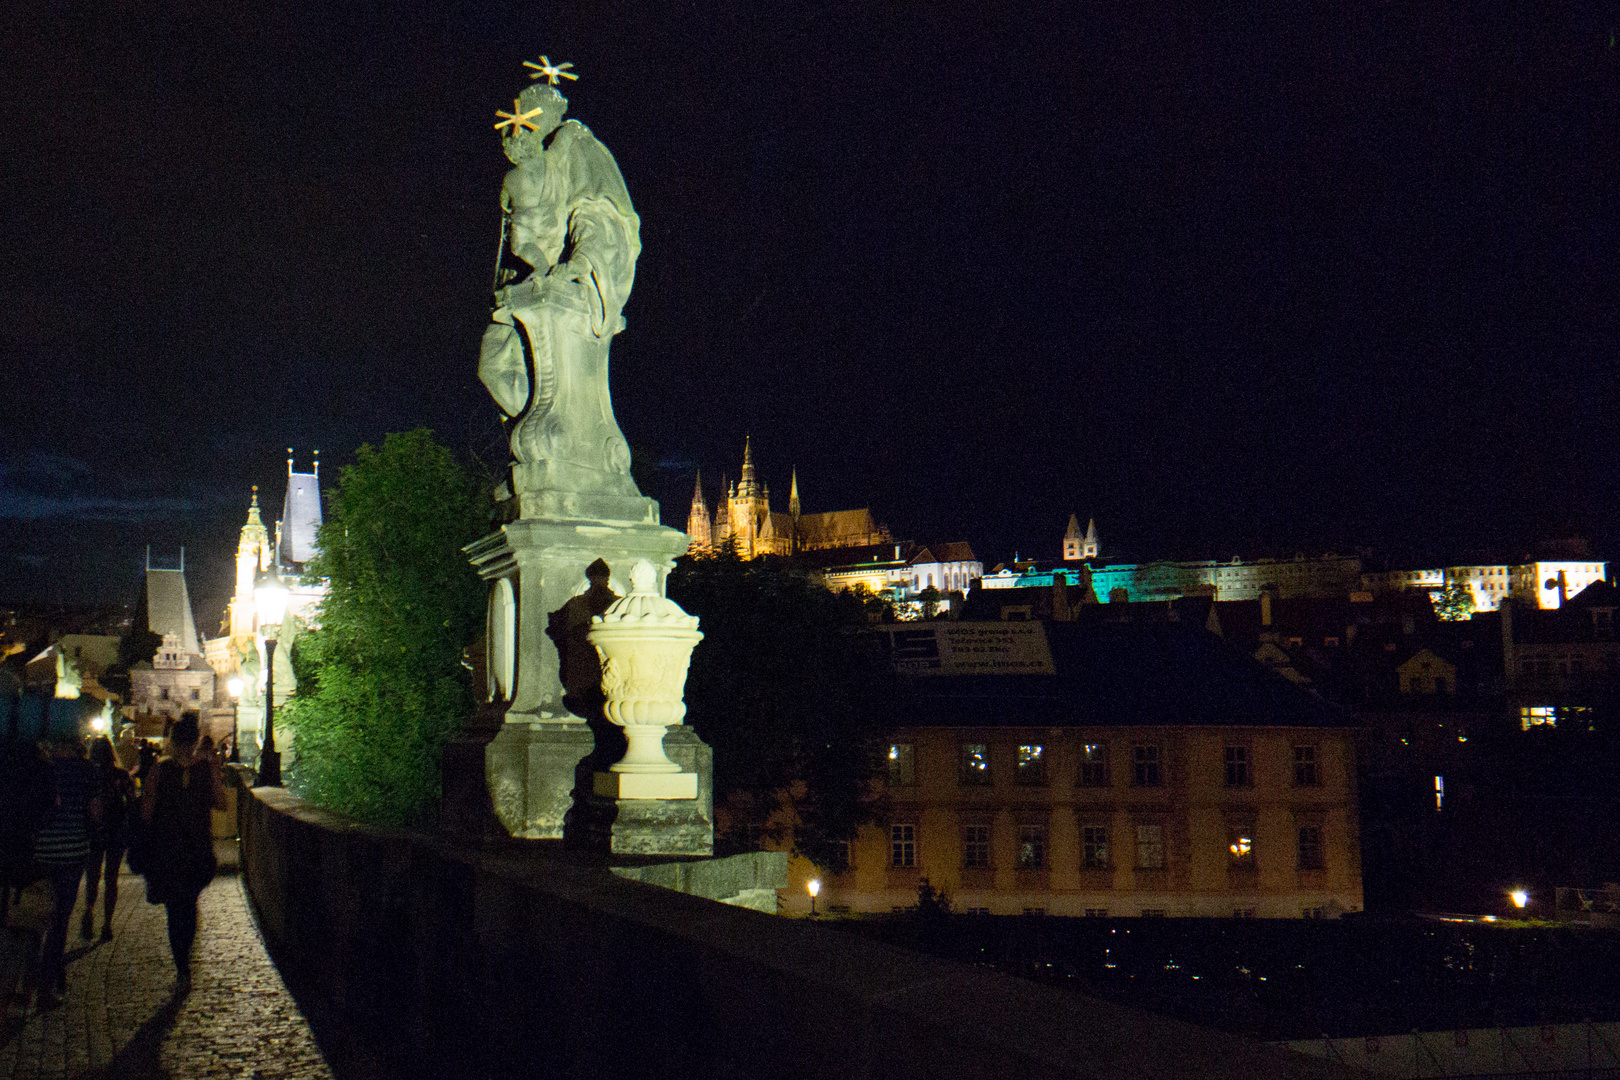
{"x": 108, "y": 837}
{"x": 61, "y": 847}
{"x": 178, "y": 794}
{"x": 26, "y": 796}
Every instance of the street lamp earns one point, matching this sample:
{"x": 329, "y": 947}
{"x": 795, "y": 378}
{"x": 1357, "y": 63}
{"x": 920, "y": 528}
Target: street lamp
{"x": 1520, "y": 898}
{"x": 235, "y": 688}
{"x": 813, "y": 887}
{"x": 270, "y": 600}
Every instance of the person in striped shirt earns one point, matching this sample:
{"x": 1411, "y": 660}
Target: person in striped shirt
{"x": 61, "y": 847}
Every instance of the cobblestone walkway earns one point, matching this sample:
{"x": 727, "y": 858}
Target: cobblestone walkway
{"x": 121, "y": 1017}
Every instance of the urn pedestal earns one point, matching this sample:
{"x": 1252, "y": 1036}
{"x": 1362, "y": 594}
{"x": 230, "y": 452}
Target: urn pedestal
{"x": 650, "y": 801}
{"x": 547, "y": 577}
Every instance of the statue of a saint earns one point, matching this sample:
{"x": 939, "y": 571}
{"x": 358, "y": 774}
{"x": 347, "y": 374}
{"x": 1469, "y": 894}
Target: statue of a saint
{"x": 544, "y": 357}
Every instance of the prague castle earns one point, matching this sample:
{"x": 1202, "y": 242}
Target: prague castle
{"x": 744, "y": 519}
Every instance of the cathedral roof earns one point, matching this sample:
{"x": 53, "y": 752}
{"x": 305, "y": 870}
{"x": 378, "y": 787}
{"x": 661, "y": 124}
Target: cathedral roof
{"x": 835, "y": 525}
{"x": 954, "y": 551}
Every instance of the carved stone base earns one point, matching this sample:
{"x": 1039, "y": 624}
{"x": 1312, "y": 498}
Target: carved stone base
{"x": 536, "y": 569}
{"x": 654, "y": 826}
{"x": 529, "y": 769}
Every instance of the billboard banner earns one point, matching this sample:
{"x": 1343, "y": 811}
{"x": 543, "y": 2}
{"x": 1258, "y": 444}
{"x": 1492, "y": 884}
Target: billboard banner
{"x": 970, "y": 648}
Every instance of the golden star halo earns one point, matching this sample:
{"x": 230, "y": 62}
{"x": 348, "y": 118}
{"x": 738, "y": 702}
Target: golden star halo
{"x": 517, "y": 119}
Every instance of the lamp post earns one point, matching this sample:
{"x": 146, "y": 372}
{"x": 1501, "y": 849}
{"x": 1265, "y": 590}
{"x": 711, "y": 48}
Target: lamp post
{"x": 270, "y": 600}
{"x": 235, "y": 688}
{"x": 813, "y": 887}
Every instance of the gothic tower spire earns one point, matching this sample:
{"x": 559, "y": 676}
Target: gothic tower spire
{"x": 697, "y": 522}
{"x": 793, "y": 495}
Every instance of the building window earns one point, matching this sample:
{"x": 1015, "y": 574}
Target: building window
{"x": 1150, "y": 847}
{"x": 1153, "y": 913}
{"x": 1237, "y": 767}
{"x": 1240, "y": 846}
{"x": 976, "y": 847}
{"x": 1305, "y": 766}
{"x": 1310, "y": 847}
{"x": 1037, "y": 911}
{"x": 1094, "y": 765}
{"x": 196, "y": 694}
{"x": 1031, "y": 764}
{"x": 1145, "y": 766}
{"x": 975, "y": 763}
{"x": 902, "y": 764}
{"x": 902, "y": 845}
{"x": 1094, "y": 847}
{"x": 1310, "y": 913}
{"x": 1537, "y": 716}
{"x": 1096, "y": 913}
{"x": 1031, "y": 847}
{"x": 163, "y": 693}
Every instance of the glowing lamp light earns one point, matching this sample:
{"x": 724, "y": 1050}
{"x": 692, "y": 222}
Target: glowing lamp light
{"x": 235, "y": 688}
{"x": 1520, "y": 897}
{"x": 270, "y": 598}
{"x": 813, "y": 887}
{"x": 99, "y": 723}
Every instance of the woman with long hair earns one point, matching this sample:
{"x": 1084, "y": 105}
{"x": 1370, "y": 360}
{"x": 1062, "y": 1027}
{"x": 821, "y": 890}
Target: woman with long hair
{"x": 180, "y": 791}
{"x": 108, "y": 837}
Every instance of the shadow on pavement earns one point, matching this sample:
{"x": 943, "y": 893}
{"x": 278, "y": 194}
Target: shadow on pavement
{"x": 141, "y": 1057}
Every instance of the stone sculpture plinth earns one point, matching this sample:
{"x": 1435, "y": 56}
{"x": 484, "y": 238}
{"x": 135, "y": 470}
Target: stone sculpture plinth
{"x": 644, "y": 643}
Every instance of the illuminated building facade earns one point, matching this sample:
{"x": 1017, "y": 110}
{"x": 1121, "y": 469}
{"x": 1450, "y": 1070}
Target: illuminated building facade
{"x": 744, "y": 520}
{"x": 1548, "y": 584}
{"x": 1131, "y": 770}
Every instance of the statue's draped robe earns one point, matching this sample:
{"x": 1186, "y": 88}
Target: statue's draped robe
{"x": 544, "y": 358}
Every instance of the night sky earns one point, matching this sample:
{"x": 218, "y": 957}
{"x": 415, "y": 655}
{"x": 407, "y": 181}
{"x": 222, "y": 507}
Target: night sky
{"x": 1233, "y": 279}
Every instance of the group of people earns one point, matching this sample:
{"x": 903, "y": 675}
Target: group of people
{"x": 86, "y": 810}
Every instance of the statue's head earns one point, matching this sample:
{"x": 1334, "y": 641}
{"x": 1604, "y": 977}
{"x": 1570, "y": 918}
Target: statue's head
{"x": 526, "y": 144}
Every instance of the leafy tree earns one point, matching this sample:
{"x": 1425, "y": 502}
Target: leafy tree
{"x": 1454, "y": 602}
{"x": 380, "y": 681}
{"x": 791, "y": 696}
{"x": 930, "y": 598}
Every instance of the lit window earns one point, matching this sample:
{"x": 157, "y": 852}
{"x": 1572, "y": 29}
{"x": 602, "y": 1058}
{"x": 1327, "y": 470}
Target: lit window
{"x": 902, "y": 845}
{"x": 1240, "y": 843}
{"x": 1237, "y": 766}
{"x": 1031, "y": 765}
{"x": 1439, "y": 791}
{"x": 975, "y": 763}
{"x": 1094, "y": 849}
{"x": 1031, "y": 847}
{"x": 902, "y": 768}
{"x": 1094, "y": 765}
{"x": 1150, "y": 847}
{"x": 1145, "y": 766}
{"x": 1310, "y": 847}
{"x": 1305, "y": 766}
{"x": 1537, "y": 716}
{"x": 976, "y": 847}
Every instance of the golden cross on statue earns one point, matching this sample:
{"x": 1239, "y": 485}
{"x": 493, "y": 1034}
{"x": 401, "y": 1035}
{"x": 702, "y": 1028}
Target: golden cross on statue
{"x": 517, "y": 119}
{"x": 547, "y": 70}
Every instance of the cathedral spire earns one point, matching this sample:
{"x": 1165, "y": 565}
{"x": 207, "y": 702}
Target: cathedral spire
{"x": 748, "y": 486}
{"x": 697, "y": 522}
{"x": 793, "y": 495}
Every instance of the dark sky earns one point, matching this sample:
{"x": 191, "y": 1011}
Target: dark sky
{"x": 1234, "y": 279}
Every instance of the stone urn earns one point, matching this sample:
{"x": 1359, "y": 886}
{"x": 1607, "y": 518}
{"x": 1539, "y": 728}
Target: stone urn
{"x": 645, "y": 643}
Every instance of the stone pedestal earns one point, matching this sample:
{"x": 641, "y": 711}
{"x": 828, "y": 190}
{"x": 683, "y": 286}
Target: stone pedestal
{"x": 543, "y": 676}
{"x": 653, "y": 824}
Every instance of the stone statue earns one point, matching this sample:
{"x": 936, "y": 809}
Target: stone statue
{"x": 545, "y": 355}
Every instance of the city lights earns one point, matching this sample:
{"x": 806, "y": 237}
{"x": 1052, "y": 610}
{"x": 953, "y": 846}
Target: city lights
{"x": 813, "y": 887}
{"x": 1520, "y": 897}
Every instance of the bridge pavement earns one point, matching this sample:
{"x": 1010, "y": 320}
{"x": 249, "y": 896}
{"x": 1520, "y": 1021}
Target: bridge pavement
{"x": 121, "y": 1017}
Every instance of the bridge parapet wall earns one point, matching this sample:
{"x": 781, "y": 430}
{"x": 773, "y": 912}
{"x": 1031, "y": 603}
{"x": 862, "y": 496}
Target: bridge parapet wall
{"x": 537, "y": 963}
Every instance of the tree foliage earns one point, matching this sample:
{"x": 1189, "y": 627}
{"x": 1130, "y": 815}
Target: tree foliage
{"x": 1454, "y": 602}
{"x": 791, "y": 696}
{"x": 381, "y": 682}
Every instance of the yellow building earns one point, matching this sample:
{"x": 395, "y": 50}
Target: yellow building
{"x": 1127, "y": 770}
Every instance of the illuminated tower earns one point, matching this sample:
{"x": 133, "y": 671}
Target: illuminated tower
{"x": 697, "y": 522}
{"x": 1091, "y": 549}
{"x": 252, "y": 556}
{"x": 793, "y": 499}
{"x": 1072, "y": 539}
